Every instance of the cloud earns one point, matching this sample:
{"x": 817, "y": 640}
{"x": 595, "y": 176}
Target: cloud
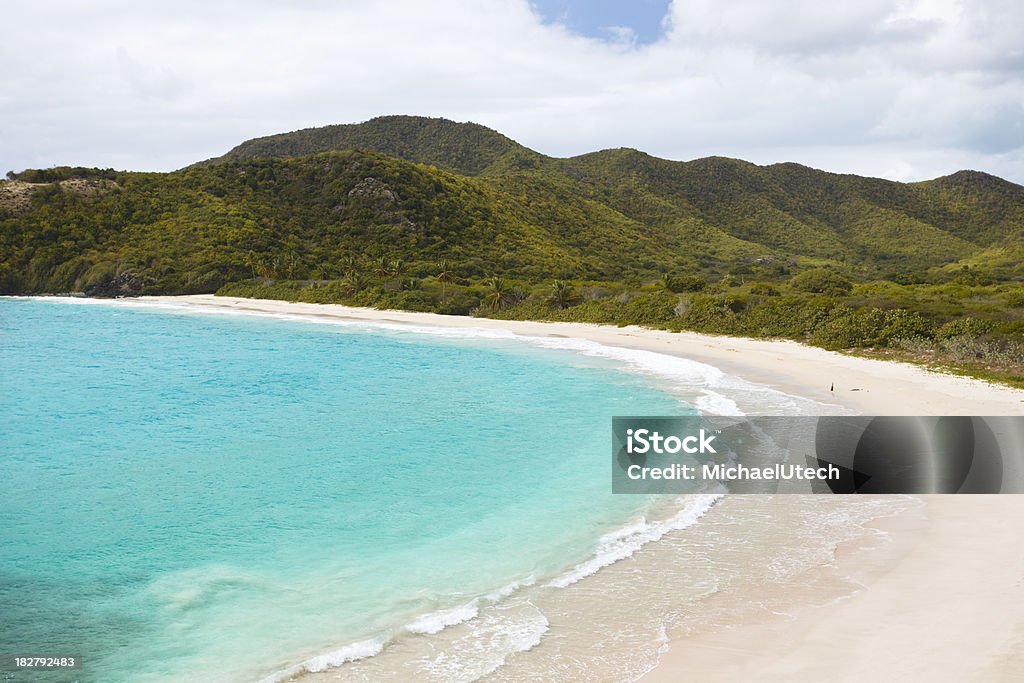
{"x": 880, "y": 87}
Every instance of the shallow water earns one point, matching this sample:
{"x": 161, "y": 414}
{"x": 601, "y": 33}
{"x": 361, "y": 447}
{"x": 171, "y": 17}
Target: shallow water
{"x": 237, "y": 497}
{"x": 218, "y": 497}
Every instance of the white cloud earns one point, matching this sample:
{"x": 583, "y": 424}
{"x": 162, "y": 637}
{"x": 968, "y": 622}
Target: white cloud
{"x": 879, "y": 87}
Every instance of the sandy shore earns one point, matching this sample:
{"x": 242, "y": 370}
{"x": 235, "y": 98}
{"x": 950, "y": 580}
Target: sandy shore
{"x": 951, "y": 609}
{"x": 949, "y": 606}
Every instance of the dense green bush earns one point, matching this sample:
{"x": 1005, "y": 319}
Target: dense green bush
{"x": 959, "y": 327}
{"x": 684, "y": 283}
{"x": 763, "y": 289}
{"x": 821, "y": 281}
{"x": 868, "y": 327}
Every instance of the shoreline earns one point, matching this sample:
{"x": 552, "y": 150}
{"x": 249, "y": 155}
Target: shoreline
{"x": 957, "y": 570}
{"x": 938, "y": 605}
{"x": 865, "y": 385}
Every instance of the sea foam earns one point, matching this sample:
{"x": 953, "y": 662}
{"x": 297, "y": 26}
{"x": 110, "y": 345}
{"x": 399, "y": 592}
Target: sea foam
{"x": 621, "y": 543}
{"x": 330, "y": 660}
{"x": 435, "y": 622}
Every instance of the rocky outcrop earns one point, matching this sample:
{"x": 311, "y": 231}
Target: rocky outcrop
{"x": 377, "y": 197}
{"x": 371, "y": 188}
{"x": 16, "y": 195}
{"x": 125, "y": 284}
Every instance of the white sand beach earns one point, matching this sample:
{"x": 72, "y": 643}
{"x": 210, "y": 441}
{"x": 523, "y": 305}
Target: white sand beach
{"x": 949, "y": 607}
{"x": 947, "y": 600}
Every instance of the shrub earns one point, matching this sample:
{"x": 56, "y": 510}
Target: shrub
{"x": 901, "y": 323}
{"x": 1014, "y": 299}
{"x": 763, "y": 289}
{"x": 649, "y": 309}
{"x": 845, "y": 328}
{"x": 971, "y": 327}
{"x": 788, "y": 316}
{"x": 821, "y": 281}
{"x": 684, "y": 283}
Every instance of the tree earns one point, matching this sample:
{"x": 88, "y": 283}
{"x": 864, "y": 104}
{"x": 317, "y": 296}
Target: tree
{"x": 444, "y": 276}
{"x": 354, "y": 283}
{"x": 349, "y": 264}
{"x": 498, "y": 295}
{"x": 562, "y": 296}
{"x": 252, "y": 260}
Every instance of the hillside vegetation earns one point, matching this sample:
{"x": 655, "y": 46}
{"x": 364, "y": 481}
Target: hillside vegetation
{"x": 429, "y": 214}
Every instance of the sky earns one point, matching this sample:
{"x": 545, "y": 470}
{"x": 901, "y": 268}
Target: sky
{"x": 901, "y": 89}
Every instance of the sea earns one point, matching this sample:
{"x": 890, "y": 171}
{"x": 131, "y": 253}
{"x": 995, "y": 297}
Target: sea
{"x": 188, "y": 495}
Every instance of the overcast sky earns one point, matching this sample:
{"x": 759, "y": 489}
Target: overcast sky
{"x": 905, "y": 90}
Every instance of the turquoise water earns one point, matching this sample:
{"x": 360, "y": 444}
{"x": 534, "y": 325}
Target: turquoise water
{"x": 205, "y": 497}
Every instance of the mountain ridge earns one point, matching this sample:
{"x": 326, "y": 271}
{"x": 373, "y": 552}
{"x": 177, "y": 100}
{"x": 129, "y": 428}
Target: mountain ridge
{"x": 336, "y": 137}
{"x": 707, "y": 188}
{"x": 604, "y": 214}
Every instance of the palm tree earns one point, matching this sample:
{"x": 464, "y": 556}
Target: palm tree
{"x": 397, "y": 268}
{"x": 354, "y": 282}
{"x": 264, "y": 266}
{"x": 349, "y": 264}
{"x": 381, "y": 268}
{"x": 563, "y": 295}
{"x": 444, "y": 275}
{"x": 292, "y": 265}
{"x": 277, "y": 266}
{"x": 498, "y": 295}
{"x": 252, "y": 260}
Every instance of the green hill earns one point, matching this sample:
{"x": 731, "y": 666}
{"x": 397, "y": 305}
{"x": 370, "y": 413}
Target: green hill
{"x": 424, "y": 213}
{"x": 466, "y": 148}
{"x": 422, "y": 189}
{"x": 793, "y": 210}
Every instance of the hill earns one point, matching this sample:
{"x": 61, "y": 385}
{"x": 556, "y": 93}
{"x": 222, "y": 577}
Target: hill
{"x": 430, "y": 214}
{"x": 838, "y": 219}
{"x": 465, "y": 148}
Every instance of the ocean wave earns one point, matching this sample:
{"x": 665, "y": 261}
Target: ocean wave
{"x": 621, "y": 543}
{"x": 330, "y": 660}
{"x": 511, "y": 588}
{"x": 435, "y": 622}
{"x": 497, "y": 634}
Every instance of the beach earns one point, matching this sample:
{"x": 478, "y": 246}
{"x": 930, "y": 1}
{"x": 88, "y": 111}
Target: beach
{"x": 945, "y": 606}
{"x": 929, "y": 588}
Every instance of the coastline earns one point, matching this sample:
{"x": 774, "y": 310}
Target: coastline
{"x": 937, "y": 604}
{"x": 864, "y": 385}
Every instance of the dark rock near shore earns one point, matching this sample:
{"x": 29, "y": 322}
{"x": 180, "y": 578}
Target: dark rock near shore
{"x": 125, "y": 284}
